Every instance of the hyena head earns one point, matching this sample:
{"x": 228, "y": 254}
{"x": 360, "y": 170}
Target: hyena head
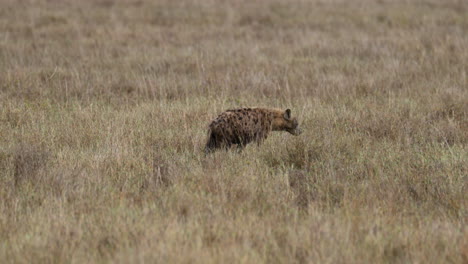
{"x": 283, "y": 121}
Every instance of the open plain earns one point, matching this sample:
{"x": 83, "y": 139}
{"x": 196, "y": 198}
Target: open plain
{"x": 104, "y": 108}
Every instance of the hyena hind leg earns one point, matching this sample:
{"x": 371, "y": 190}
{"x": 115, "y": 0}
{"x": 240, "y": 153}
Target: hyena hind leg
{"x": 216, "y": 142}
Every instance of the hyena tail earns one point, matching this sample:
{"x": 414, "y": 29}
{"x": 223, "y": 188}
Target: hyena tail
{"x": 212, "y": 143}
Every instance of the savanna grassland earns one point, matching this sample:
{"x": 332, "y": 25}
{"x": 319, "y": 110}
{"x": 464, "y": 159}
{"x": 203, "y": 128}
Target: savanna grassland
{"x": 104, "y": 108}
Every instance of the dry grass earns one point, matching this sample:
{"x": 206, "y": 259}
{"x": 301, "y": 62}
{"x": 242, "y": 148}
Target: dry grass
{"x": 104, "y": 107}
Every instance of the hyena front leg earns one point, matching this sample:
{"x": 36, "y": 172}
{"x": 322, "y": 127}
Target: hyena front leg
{"x": 260, "y": 137}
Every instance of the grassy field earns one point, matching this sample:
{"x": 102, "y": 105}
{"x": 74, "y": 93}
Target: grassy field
{"x": 104, "y": 108}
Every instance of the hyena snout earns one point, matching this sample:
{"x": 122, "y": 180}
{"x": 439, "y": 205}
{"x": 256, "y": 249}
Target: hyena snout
{"x": 294, "y": 129}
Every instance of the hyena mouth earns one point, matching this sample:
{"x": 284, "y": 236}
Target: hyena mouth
{"x": 295, "y": 131}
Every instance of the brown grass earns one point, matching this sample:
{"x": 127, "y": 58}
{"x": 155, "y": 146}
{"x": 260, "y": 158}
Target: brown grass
{"x": 104, "y": 107}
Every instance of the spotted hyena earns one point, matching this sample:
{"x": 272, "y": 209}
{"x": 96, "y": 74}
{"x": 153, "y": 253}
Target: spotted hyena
{"x": 242, "y": 126}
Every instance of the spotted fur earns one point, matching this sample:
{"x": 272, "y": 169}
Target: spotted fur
{"x": 245, "y": 125}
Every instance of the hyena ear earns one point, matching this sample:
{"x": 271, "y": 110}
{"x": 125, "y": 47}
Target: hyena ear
{"x": 287, "y": 114}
